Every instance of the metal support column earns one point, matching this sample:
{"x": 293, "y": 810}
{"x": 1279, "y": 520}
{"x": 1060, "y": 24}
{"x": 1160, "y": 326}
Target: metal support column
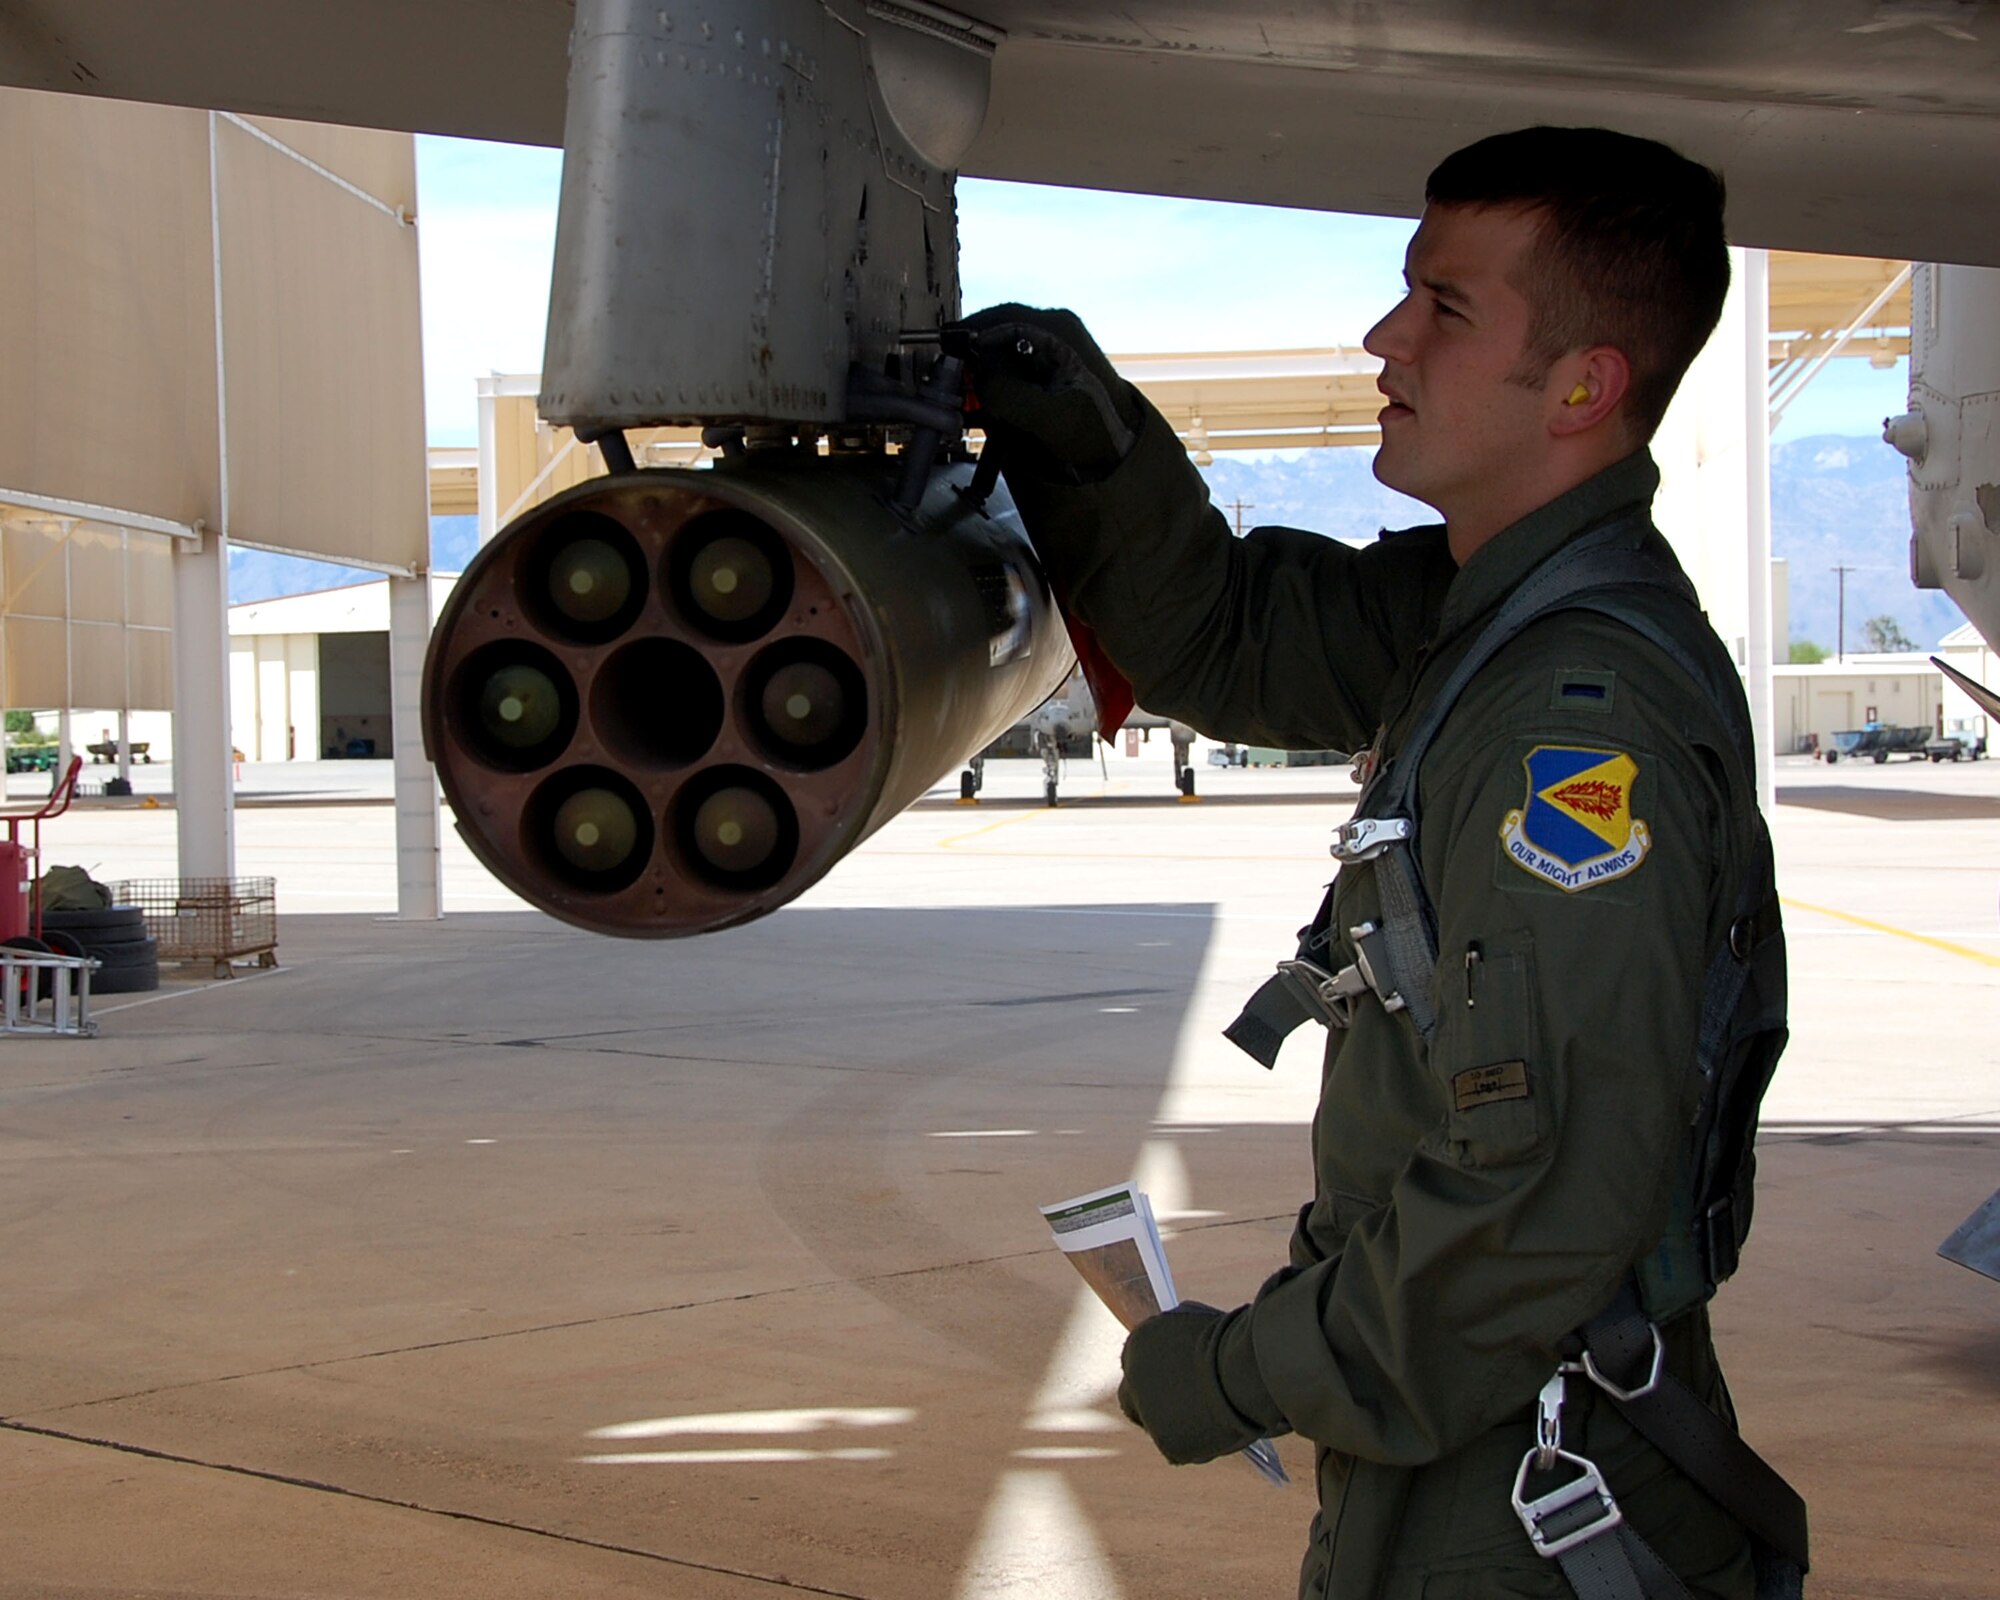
{"x": 489, "y": 458}
{"x": 203, "y": 792}
{"x": 417, "y": 879}
{"x": 1757, "y": 642}
{"x": 125, "y": 747}
{"x": 204, "y": 777}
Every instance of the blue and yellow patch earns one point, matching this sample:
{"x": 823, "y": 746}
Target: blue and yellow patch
{"x": 1576, "y": 827}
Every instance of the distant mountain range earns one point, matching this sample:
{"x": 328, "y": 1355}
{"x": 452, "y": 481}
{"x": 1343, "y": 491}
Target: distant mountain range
{"x": 1835, "y": 502}
{"x": 260, "y": 575}
{"x": 1838, "y": 502}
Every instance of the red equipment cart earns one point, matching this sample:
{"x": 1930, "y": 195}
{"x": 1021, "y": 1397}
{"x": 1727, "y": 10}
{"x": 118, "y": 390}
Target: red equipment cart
{"x": 21, "y": 864}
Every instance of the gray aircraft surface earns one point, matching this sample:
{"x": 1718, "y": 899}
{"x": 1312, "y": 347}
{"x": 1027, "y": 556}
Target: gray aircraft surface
{"x": 1951, "y": 435}
{"x": 1853, "y": 126}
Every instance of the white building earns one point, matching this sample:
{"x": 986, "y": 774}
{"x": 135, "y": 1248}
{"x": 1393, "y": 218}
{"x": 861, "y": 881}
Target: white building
{"x": 1812, "y": 703}
{"x": 1964, "y": 649}
{"x": 309, "y": 673}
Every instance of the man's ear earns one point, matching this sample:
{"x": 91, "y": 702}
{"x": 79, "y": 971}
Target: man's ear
{"x": 1587, "y": 387}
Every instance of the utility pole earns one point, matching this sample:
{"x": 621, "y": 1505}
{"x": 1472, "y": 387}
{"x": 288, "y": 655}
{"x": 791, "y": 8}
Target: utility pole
{"x": 1239, "y": 505}
{"x": 1840, "y": 627}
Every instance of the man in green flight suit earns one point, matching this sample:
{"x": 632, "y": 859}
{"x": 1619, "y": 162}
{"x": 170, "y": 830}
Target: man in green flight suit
{"x": 1481, "y": 1195}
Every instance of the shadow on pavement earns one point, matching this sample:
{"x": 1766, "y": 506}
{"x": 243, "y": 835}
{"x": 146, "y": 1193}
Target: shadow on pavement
{"x": 418, "y": 1218}
{"x": 1891, "y": 805}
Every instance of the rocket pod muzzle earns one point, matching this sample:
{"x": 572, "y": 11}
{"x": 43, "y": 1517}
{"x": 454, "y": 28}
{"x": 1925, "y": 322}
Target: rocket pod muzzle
{"x": 668, "y": 702}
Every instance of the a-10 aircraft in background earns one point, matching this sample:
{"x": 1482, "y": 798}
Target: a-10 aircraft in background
{"x": 1070, "y": 717}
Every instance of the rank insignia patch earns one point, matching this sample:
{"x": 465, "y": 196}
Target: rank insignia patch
{"x": 1576, "y": 827}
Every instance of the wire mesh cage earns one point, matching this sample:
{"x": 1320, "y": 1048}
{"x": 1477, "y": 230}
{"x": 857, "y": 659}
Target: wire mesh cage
{"x": 222, "y": 920}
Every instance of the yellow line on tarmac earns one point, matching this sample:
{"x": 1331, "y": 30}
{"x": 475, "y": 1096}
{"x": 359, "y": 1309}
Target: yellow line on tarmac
{"x": 1945, "y": 945}
{"x": 958, "y": 839}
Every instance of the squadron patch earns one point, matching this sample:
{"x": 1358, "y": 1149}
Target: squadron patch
{"x": 1576, "y": 827}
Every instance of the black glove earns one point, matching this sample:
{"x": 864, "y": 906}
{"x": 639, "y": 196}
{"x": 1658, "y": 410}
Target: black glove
{"x": 1047, "y": 395}
{"x": 1173, "y": 1384}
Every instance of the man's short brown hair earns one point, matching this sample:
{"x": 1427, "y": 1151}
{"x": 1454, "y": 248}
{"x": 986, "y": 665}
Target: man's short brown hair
{"x": 1630, "y": 249}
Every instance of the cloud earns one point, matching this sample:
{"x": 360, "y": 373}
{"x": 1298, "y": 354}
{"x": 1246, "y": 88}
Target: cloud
{"x": 486, "y": 237}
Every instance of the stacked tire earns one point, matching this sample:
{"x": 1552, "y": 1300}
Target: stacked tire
{"x": 116, "y": 936}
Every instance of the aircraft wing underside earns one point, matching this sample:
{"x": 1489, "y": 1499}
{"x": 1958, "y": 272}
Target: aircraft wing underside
{"x": 1854, "y": 126}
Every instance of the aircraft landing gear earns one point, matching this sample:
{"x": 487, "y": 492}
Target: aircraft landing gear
{"x": 1051, "y": 752}
{"x": 972, "y": 780}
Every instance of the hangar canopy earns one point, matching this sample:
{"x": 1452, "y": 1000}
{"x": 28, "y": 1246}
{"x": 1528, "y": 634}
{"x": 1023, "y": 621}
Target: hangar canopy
{"x": 212, "y": 320}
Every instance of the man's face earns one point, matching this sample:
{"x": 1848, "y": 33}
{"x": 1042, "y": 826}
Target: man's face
{"x": 1459, "y": 433}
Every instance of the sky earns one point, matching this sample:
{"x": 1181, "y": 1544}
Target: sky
{"x": 1145, "y": 273}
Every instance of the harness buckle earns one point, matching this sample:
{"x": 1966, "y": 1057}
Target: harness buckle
{"x": 1652, "y": 1377}
{"x": 1328, "y": 995}
{"x": 1569, "y": 1514}
{"x": 1365, "y": 838}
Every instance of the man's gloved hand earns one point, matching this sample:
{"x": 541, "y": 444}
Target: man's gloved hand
{"x": 1173, "y": 1384}
{"x": 1047, "y": 395}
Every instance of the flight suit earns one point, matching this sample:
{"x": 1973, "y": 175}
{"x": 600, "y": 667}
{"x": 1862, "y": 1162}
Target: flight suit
{"x": 1478, "y": 1199}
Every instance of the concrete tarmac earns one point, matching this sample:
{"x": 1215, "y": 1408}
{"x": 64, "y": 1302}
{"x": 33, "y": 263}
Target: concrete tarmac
{"x": 491, "y": 1258}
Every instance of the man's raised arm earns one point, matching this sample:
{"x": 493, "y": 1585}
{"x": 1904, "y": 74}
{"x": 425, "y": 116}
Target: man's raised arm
{"x": 1282, "y": 638}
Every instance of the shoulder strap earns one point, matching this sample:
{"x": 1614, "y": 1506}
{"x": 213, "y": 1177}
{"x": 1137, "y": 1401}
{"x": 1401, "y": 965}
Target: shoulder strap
{"x": 1600, "y": 559}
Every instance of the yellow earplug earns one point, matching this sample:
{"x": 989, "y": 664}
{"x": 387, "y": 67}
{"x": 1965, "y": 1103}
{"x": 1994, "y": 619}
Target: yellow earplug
{"x": 1577, "y": 396}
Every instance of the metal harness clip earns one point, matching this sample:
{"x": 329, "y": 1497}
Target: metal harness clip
{"x": 1364, "y": 937}
{"x": 1365, "y": 838}
{"x": 1549, "y": 1421}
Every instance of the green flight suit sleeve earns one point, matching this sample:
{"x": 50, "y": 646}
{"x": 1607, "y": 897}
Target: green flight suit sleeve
{"x": 1561, "y": 1072}
{"x": 1283, "y": 638}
